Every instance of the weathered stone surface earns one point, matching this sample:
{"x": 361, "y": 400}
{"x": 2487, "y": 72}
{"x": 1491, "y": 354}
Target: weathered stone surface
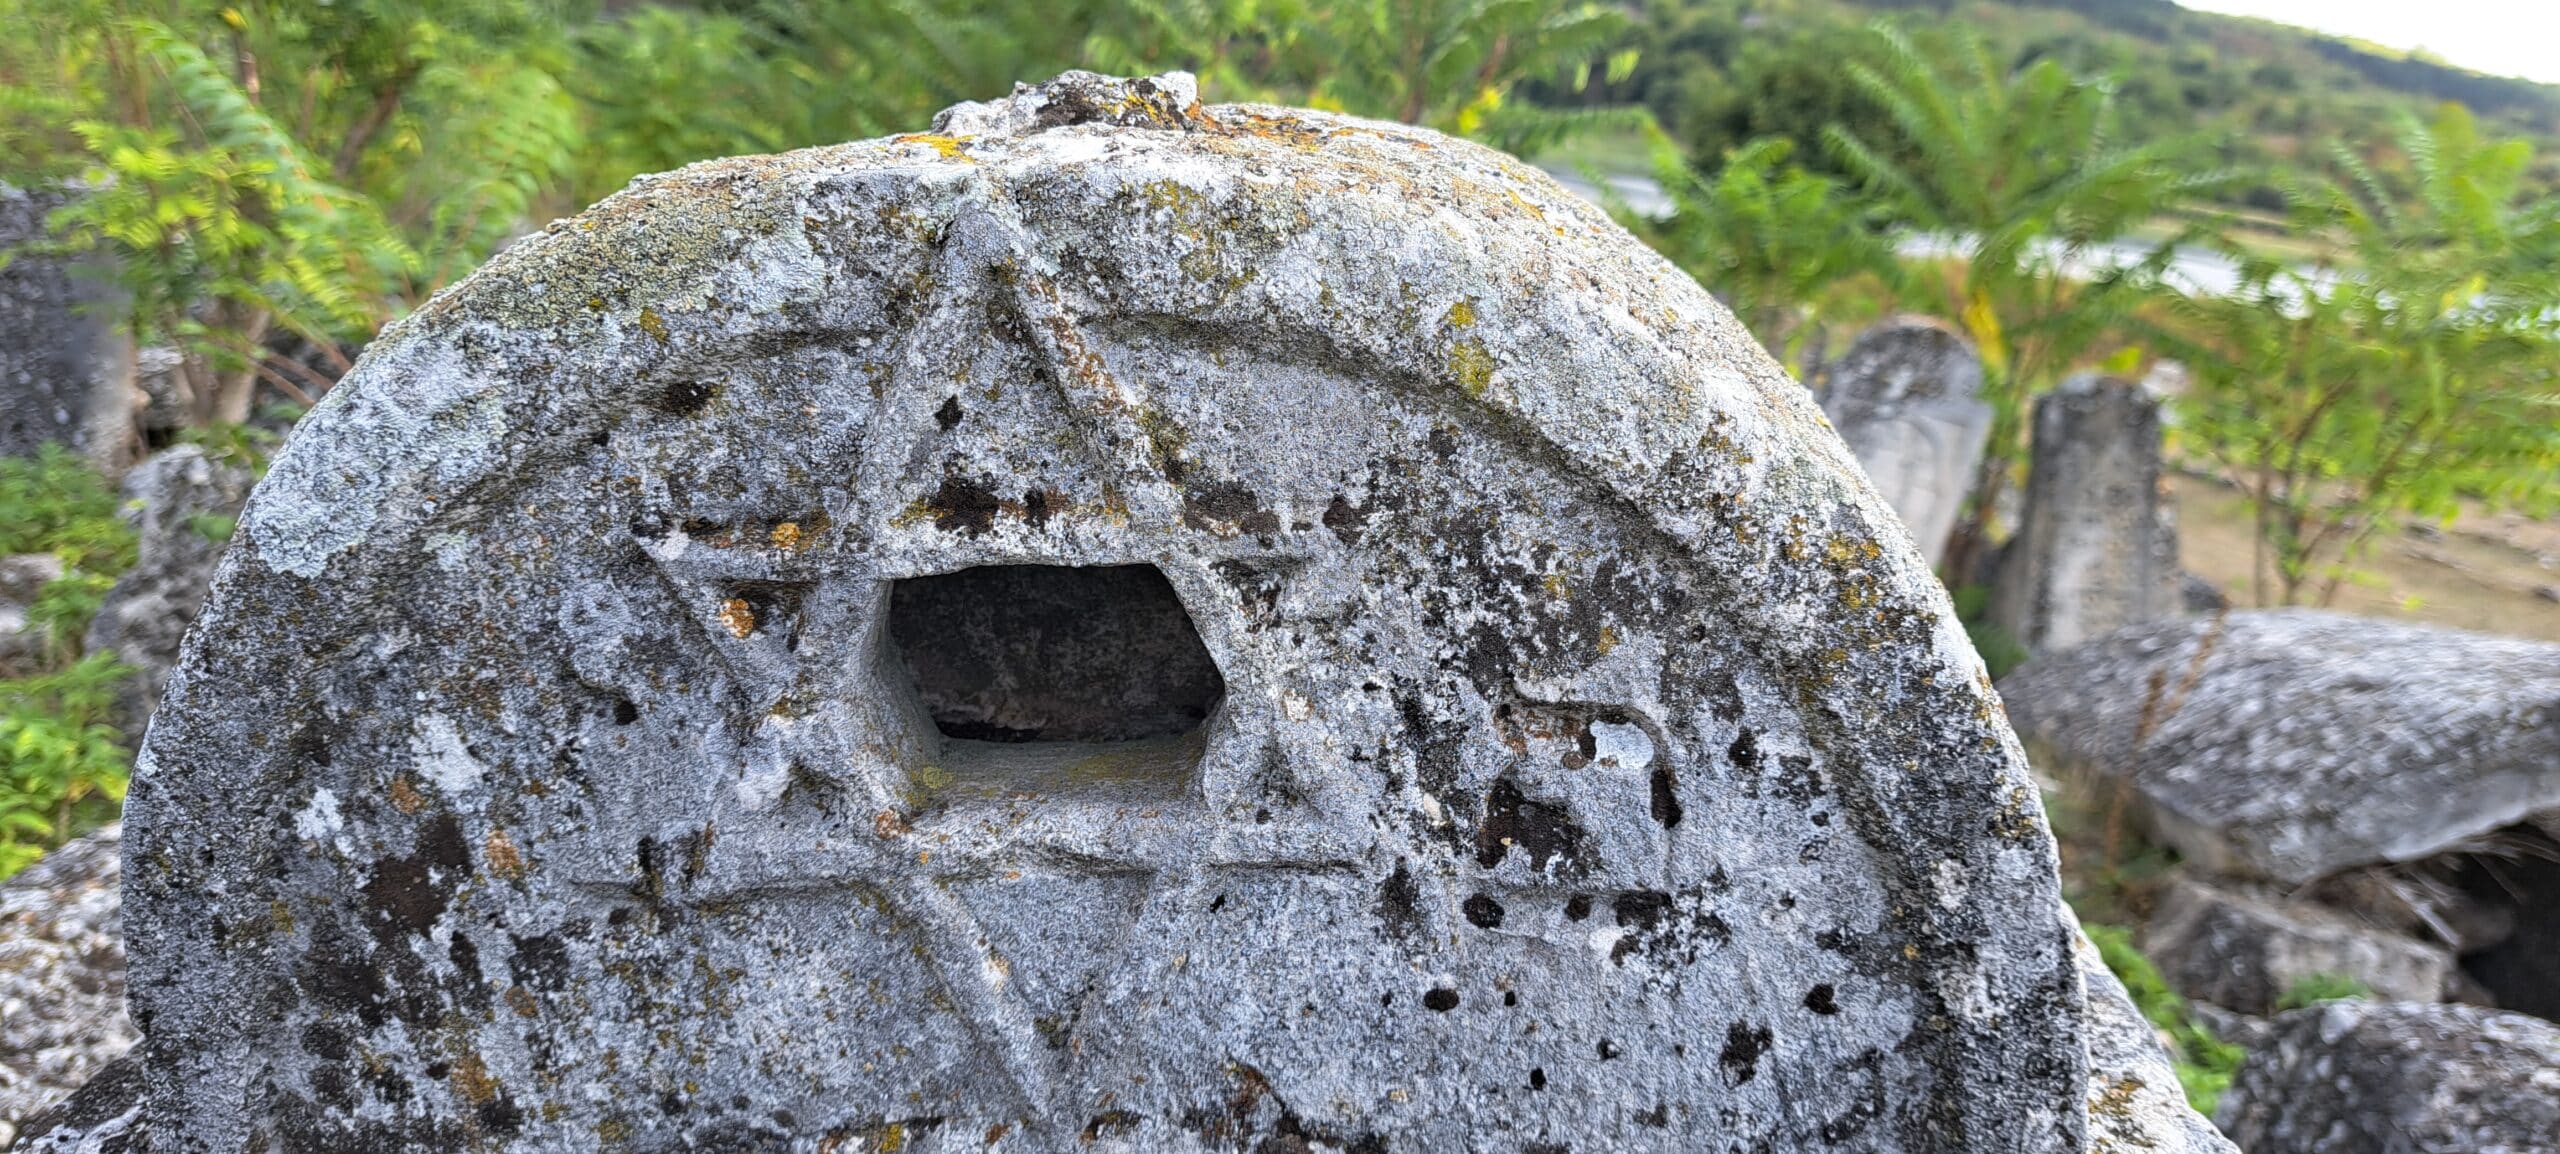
{"x": 2097, "y": 543}
{"x": 2358, "y": 1077}
{"x": 1907, "y": 399}
{"x": 2135, "y": 1101}
{"x": 183, "y": 504}
{"x": 62, "y": 975}
{"x": 564, "y": 759}
{"x": 2242, "y": 951}
{"x": 104, "y": 1116}
{"x": 23, "y": 577}
{"x": 2293, "y": 743}
{"x": 66, "y": 366}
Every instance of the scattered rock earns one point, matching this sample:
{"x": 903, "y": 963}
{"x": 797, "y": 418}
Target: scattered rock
{"x": 22, "y": 641}
{"x": 2243, "y": 951}
{"x": 2292, "y": 744}
{"x": 62, "y": 963}
{"x": 1907, "y": 399}
{"x": 2097, "y": 542}
{"x": 104, "y": 1116}
{"x": 564, "y": 760}
{"x": 183, "y": 504}
{"x": 2359, "y": 1077}
{"x": 66, "y": 367}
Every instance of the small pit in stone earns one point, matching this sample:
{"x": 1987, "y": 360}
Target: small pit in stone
{"x": 1056, "y": 679}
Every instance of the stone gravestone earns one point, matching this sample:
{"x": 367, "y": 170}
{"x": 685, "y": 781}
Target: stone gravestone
{"x": 1112, "y": 625}
{"x": 2097, "y": 542}
{"x": 1907, "y": 399}
{"x": 66, "y": 367}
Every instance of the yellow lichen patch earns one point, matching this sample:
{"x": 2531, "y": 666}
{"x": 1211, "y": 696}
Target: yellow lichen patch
{"x": 951, "y": 147}
{"x": 521, "y": 1001}
{"x": 1461, "y": 314}
{"x": 739, "y": 617}
{"x": 1608, "y": 640}
{"x": 653, "y": 324}
{"x": 471, "y": 1080}
{"x": 405, "y": 797}
{"x": 1556, "y": 585}
{"x": 500, "y": 852}
{"x": 785, "y": 535}
{"x": 1472, "y": 365}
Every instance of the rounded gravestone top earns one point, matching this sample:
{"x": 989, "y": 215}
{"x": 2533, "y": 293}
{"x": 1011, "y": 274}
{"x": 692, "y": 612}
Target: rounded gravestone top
{"x": 1120, "y": 625}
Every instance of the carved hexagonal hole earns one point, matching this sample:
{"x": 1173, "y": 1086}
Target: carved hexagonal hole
{"x": 1051, "y": 678}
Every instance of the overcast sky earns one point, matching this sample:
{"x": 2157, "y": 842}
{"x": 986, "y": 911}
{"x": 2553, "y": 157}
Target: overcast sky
{"x": 2499, "y": 37}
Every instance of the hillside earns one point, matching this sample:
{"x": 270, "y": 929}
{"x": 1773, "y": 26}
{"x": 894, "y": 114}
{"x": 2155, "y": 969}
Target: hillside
{"x": 2266, "y": 95}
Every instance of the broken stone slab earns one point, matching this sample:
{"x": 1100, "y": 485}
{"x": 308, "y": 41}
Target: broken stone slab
{"x": 2290, "y": 744}
{"x": 2361, "y": 1077}
{"x": 2096, "y": 547}
{"x": 183, "y": 505}
{"x": 2243, "y": 951}
{"x": 66, "y": 364}
{"x": 615, "y": 725}
{"x": 62, "y": 975}
{"x": 1907, "y": 397}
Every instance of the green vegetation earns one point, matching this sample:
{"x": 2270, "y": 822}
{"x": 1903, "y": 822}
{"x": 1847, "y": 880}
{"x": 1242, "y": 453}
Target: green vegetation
{"x": 62, "y": 766}
{"x": 2318, "y": 988}
{"x": 2204, "y": 1062}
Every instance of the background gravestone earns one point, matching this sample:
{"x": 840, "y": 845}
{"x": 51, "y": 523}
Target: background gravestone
{"x": 66, "y": 366}
{"x": 652, "y": 704}
{"x": 1907, "y": 399}
{"x": 182, "y": 503}
{"x": 2097, "y": 543}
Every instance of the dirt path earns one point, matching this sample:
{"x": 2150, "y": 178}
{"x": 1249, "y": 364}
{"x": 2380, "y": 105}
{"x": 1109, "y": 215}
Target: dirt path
{"x": 2481, "y": 573}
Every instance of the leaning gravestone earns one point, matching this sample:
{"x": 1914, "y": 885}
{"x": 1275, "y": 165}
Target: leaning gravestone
{"x": 1907, "y": 398}
{"x": 2097, "y": 545}
{"x": 66, "y": 367}
{"x": 1112, "y": 625}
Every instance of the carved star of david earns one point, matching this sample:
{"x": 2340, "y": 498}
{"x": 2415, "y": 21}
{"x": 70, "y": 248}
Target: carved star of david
{"x": 793, "y": 624}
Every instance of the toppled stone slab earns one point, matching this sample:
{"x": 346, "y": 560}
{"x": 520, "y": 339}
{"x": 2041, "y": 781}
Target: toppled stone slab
{"x": 1907, "y": 397}
{"x": 2359, "y": 1077}
{"x": 2096, "y": 547}
{"x": 2243, "y": 951}
{"x": 614, "y": 726}
{"x": 2294, "y": 743}
{"x": 62, "y": 975}
{"x": 183, "y": 504}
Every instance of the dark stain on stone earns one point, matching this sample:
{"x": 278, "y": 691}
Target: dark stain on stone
{"x": 1744, "y": 1043}
{"x": 1577, "y": 907}
{"x": 1821, "y": 1000}
{"x": 1483, "y": 911}
{"x": 1440, "y": 1000}
{"x": 408, "y": 894}
{"x": 684, "y": 398}
{"x": 1542, "y": 831}
{"x": 540, "y": 962}
{"x": 1346, "y": 520}
{"x": 1797, "y": 781}
{"x": 963, "y": 506}
{"x": 1666, "y": 797}
{"x": 948, "y": 416}
{"x": 1400, "y": 907}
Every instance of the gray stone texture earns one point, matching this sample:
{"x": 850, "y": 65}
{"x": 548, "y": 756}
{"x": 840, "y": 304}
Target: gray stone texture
{"x": 1593, "y": 764}
{"x": 62, "y": 976}
{"x": 2291, "y": 744}
{"x": 66, "y": 364}
{"x": 2359, "y": 1077}
{"x": 183, "y": 505}
{"x": 1907, "y": 399}
{"x": 2096, "y": 547}
{"x": 2243, "y": 950}
{"x": 23, "y": 644}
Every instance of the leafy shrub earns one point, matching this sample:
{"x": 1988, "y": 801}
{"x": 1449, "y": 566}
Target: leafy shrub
{"x": 62, "y": 766}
